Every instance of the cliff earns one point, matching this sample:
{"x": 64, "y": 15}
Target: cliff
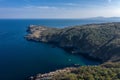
{"x": 98, "y": 41}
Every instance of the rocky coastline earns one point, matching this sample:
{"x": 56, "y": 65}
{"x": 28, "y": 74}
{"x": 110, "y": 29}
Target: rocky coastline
{"x": 106, "y": 71}
{"x": 50, "y": 75}
{"x": 97, "y": 41}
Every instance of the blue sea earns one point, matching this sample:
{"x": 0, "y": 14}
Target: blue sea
{"x": 20, "y": 59}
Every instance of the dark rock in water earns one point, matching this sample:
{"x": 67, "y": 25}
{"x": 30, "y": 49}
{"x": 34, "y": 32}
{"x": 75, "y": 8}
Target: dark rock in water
{"x": 99, "y": 41}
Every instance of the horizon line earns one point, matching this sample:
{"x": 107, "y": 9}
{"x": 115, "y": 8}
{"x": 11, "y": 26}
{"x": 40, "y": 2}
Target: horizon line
{"x": 65, "y": 18}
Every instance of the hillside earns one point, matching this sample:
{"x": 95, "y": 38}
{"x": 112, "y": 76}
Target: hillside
{"x": 107, "y": 71}
{"x": 98, "y": 41}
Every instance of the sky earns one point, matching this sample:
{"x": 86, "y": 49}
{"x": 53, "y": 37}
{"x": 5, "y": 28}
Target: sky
{"x": 59, "y": 8}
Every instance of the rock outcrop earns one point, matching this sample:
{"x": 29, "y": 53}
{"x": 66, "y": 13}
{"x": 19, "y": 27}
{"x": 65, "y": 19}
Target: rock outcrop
{"x": 100, "y": 41}
{"x": 51, "y": 75}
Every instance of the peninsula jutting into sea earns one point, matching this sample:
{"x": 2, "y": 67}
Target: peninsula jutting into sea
{"x": 96, "y": 41}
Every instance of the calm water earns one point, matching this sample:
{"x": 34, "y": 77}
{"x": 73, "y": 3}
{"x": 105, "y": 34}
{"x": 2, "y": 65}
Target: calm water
{"x": 20, "y": 59}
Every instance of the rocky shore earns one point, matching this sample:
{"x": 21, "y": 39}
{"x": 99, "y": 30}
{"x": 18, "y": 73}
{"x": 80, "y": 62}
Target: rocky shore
{"x": 49, "y": 76}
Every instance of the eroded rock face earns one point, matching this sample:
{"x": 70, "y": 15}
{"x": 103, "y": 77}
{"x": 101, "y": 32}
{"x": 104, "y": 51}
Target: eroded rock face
{"x": 101, "y": 41}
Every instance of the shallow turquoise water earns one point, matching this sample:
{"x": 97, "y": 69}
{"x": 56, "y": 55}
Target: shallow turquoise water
{"x": 20, "y": 59}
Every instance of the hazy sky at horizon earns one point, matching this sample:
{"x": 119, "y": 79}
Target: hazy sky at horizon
{"x": 59, "y": 8}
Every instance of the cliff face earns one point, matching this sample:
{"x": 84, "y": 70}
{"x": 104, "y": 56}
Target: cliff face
{"x": 101, "y": 41}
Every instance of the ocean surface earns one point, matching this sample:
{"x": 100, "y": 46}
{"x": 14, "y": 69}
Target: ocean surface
{"x": 20, "y": 59}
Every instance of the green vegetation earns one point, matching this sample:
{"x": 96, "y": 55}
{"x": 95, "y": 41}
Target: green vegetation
{"x": 100, "y": 41}
{"x": 92, "y": 73}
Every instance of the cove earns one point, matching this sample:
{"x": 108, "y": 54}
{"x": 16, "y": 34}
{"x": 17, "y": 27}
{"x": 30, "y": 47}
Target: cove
{"x": 20, "y": 59}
